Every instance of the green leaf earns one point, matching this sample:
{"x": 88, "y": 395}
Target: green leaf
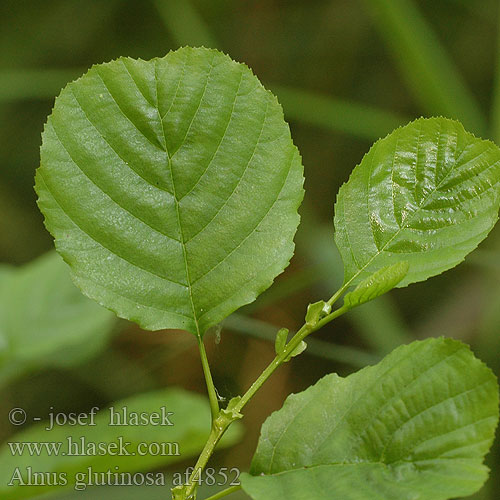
{"x": 171, "y": 187}
{"x": 377, "y": 284}
{"x": 45, "y": 320}
{"x": 281, "y": 338}
{"x": 298, "y": 350}
{"x": 416, "y": 426}
{"x": 316, "y": 311}
{"x": 428, "y": 194}
{"x": 182, "y": 440}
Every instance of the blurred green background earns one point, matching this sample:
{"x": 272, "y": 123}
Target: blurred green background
{"x": 346, "y": 72}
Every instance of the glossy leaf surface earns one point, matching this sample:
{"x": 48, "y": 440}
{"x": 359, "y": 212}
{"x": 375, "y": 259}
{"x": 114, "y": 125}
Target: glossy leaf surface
{"x": 427, "y": 194}
{"x": 171, "y": 187}
{"x": 416, "y": 426}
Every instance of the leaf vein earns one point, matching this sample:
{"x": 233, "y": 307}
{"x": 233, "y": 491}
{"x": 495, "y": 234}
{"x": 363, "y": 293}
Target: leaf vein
{"x": 122, "y": 60}
{"x": 119, "y": 107}
{"x": 181, "y": 78}
{"x": 220, "y": 142}
{"x": 178, "y": 215}
{"x": 93, "y": 238}
{"x": 114, "y": 150}
{"x": 252, "y": 230}
{"x": 239, "y": 180}
{"x": 125, "y": 209}
{"x": 197, "y": 108}
{"x": 439, "y": 403}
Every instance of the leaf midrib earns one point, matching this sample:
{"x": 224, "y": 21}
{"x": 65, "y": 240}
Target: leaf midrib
{"x": 169, "y": 169}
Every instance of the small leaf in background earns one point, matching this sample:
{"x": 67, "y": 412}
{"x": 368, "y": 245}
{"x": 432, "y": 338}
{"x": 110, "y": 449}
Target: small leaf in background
{"x": 428, "y": 194}
{"x": 377, "y": 284}
{"x": 187, "y": 436}
{"x": 416, "y": 426}
{"x": 45, "y": 320}
{"x": 171, "y": 187}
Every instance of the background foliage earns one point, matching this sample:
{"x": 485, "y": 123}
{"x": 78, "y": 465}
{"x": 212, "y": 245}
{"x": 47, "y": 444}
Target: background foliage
{"x": 347, "y": 72}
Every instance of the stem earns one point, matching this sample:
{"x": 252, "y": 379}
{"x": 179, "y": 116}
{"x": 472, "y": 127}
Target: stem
{"x": 338, "y": 293}
{"x": 275, "y": 363}
{"x": 219, "y": 427}
{"x": 212, "y": 393}
{"x": 306, "y": 330}
{"x": 224, "y": 418}
{"x": 225, "y": 492}
{"x": 357, "y": 358}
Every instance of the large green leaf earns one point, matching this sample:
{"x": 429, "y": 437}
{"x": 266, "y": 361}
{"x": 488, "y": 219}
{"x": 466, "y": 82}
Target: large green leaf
{"x": 416, "y": 426}
{"x": 428, "y": 194}
{"x": 171, "y": 187}
{"x": 181, "y": 440}
{"x": 45, "y": 320}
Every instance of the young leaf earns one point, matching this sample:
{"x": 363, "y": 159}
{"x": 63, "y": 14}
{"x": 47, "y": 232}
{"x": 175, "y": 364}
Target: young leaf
{"x": 45, "y": 320}
{"x": 377, "y": 284}
{"x": 316, "y": 311}
{"x": 415, "y": 426}
{"x": 298, "y": 350}
{"x": 281, "y": 338}
{"x": 171, "y": 187}
{"x": 428, "y": 194}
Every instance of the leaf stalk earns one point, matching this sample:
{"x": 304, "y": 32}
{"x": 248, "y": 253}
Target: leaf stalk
{"x": 212, "y": 393}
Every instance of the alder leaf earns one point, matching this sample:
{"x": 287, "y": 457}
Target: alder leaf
{"x": 427, "y": 194}
{"x": 171, "y": 187}
{"x": 416, "y": 426}
{"x": 377, "y": 284}
{"x": 45, "y": 320}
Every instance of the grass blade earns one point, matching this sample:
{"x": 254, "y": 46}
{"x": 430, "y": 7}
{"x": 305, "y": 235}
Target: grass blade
{"x": 21, "y": 84}
{"x": 495, "y": 109}
{"x": 337, "y": 115}
{"x": 426, "y": 66}
{"x": 184, "y": 23}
